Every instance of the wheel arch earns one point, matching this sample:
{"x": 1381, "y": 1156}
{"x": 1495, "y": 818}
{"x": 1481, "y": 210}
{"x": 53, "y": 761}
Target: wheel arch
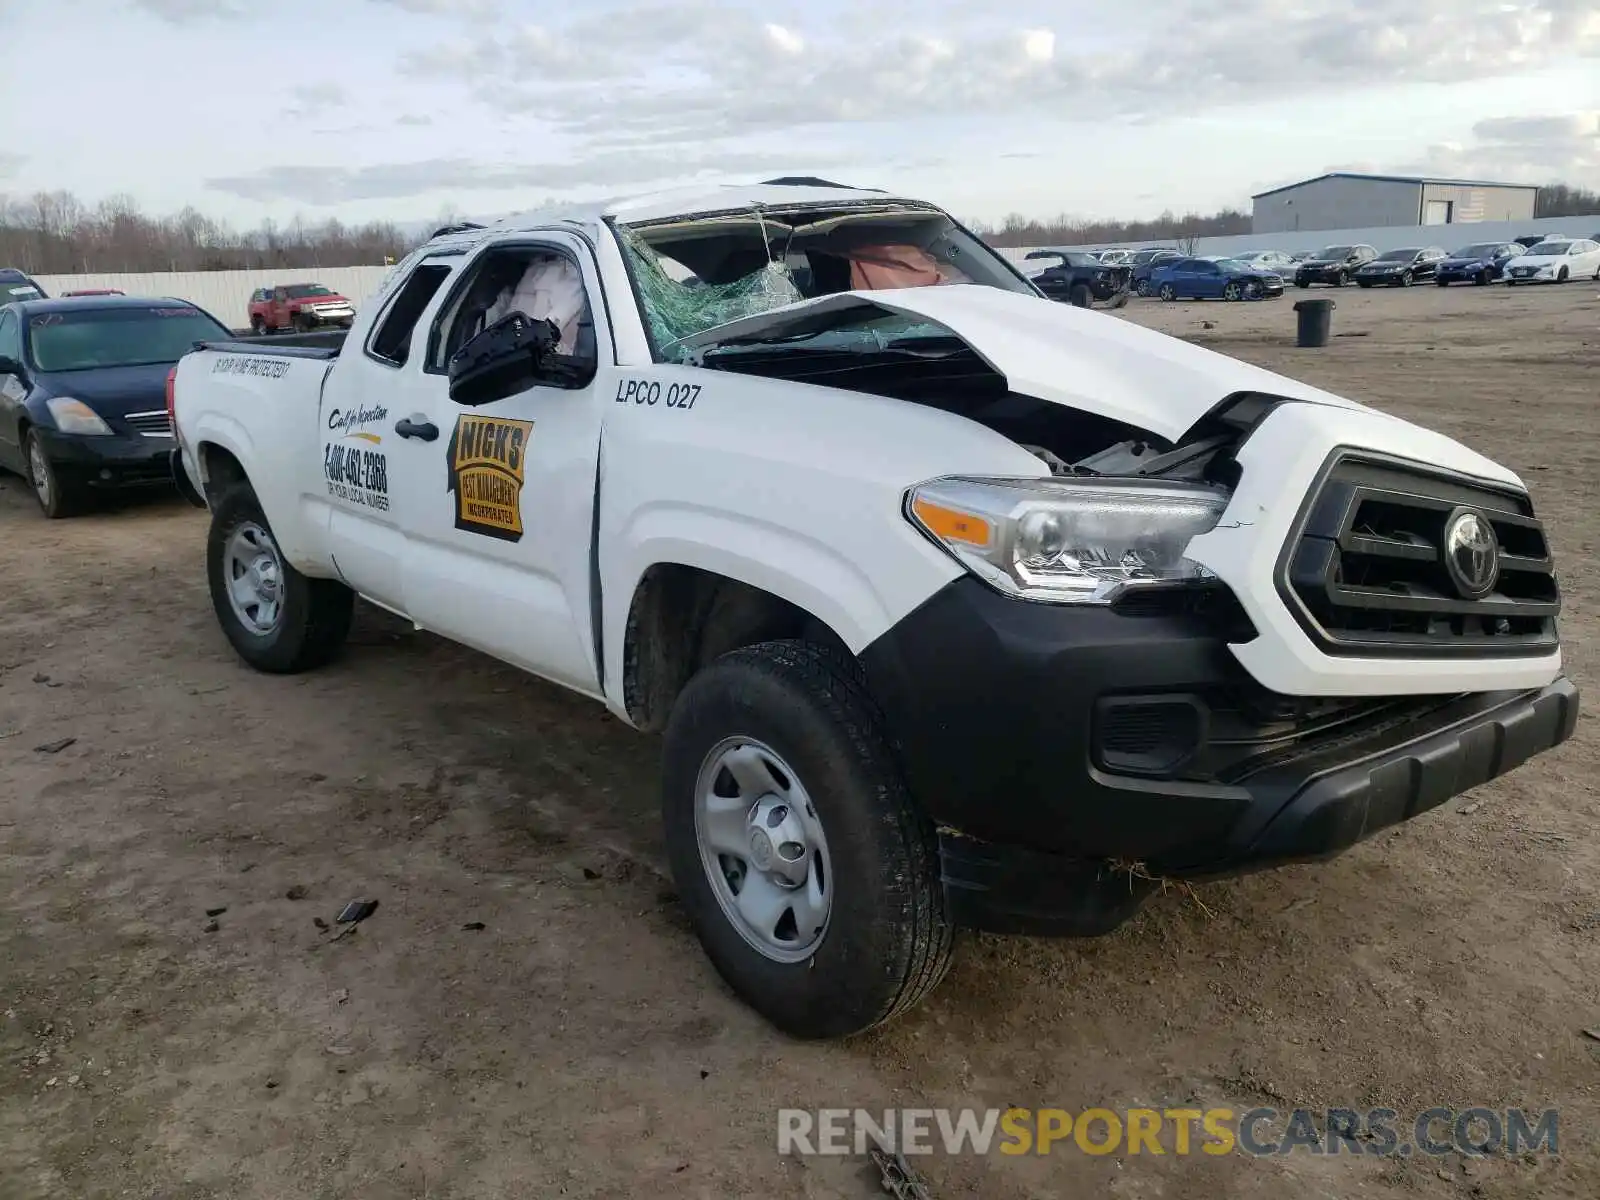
{"x": 682, "y": 617}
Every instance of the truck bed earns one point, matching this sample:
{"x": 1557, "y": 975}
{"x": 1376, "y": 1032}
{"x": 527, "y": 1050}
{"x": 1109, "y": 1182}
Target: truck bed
{"x": 324, "y": 346}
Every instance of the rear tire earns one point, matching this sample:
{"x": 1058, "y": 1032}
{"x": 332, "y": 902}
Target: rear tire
{"x": 1168, "y": 292}
{"x": 310, "y": 618}
{"x": 57, "y": 498}
{"x": 1142, "y": 288}
{"x": 886, "y": 937}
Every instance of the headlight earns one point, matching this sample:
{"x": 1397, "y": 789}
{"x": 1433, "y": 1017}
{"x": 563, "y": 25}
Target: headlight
{"x": 74, "y": 416}
{"x": 1068, "y": 541}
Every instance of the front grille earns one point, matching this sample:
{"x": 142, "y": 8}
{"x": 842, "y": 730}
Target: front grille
{"x": 151, "y": 424}
{"x": 1366, "y": 572}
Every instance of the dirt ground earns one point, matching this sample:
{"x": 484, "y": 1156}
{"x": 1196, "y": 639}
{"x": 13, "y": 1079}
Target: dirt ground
{"x": 579, "y": 1044}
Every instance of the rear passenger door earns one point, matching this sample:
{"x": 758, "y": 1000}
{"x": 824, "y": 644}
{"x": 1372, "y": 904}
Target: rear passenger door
{"x": 362, "y": 399}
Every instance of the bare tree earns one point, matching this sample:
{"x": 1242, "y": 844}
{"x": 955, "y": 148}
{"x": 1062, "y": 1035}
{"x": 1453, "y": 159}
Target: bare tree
{"x": 53, "y": 233}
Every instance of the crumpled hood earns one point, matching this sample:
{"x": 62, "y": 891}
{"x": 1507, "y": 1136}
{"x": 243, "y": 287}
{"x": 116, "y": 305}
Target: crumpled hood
{"x": 1064, "y": 355}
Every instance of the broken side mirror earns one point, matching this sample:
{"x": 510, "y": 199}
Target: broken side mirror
{"x": 513, "y": 355}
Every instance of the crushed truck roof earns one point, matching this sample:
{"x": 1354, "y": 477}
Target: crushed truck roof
{"x": 685, "y": 202}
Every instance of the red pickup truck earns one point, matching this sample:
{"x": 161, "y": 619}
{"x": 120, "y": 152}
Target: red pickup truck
{"x": 298, "y": 306}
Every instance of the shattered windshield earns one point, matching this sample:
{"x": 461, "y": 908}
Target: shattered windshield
{"x": 695, "y": 273}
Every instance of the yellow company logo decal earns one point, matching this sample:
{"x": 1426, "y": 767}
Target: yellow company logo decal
{"x": 488, "y": 463}
{"x": 366, "y": 437}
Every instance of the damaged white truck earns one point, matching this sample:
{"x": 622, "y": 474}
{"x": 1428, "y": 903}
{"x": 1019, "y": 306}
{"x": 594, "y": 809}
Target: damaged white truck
{"x": 956, "y": 607}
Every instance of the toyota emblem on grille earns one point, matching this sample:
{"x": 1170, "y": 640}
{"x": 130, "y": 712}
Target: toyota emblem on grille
{"x": 1471, "y": 554}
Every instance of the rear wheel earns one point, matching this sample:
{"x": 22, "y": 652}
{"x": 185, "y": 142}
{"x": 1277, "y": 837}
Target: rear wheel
{"x": 278, "y": 619}
{"x": 1142, "y": 287}
{"x": 809, "y": 873}
{"x": 57, "y": 497}
{"x": 1168, "y": 292}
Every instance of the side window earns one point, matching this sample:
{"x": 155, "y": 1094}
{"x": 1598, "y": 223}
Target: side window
{"x": 541, "y": 282}
{"x": 390, "y": 342}
{"x": 1206, "y": 268}
{"x": 10, "y": 336}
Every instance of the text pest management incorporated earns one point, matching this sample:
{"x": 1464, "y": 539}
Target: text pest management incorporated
{"x": 487, "y": 463}
{"x": 947, "y": 600}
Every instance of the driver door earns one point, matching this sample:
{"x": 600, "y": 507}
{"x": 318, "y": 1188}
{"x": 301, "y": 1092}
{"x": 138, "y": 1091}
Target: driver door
{"x": 499, "y": 507}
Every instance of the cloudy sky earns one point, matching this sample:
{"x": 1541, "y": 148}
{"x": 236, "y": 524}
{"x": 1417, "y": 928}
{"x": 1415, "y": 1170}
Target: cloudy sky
{"x": 402, "y": 108}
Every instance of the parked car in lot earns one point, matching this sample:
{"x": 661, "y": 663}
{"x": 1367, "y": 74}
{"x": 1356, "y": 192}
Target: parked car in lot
{"x": 1274, "y": 261}
{"x": 1078, "y": 278}
{"x": 19, "y": 285}
{"x": 1334, "y": 265}
{"x": 1481, "y": 263}
{"x": 1402, "y": 267}
{"x": 1144, "y": 263}
{"x": 301, "y": 307}
{"x": 1533, "y": 239}
{"x": 83, "y": 392}
{"x": 1212, "y": 279}
{"x": 951, "y": 602}
{"x": 1556, "y": 262}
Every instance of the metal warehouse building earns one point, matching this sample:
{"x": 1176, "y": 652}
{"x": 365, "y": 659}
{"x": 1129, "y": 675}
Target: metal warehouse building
{"x": 1343, "y": 200}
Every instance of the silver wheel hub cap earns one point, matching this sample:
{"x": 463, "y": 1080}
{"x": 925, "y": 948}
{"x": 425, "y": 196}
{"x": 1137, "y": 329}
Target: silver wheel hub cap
{"x": 254, "y": 578}
{"x": 763, "y": 849}
{"x": 40, "y": 470}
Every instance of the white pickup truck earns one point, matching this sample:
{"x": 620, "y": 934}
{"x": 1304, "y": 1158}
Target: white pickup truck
{"x": 956, "y": 606}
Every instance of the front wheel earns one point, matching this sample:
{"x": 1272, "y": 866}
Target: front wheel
{"x": 1079, "y": 296}
{"x": 1561, "y": 276}
{"x": 1168, "y": 292}
{"x": 57, "y": 497}
{"x": 279, "y": 620}
{"x": 258, "y": 327}
{"x": 1407, "y": 279}
{"x": 1231, "y": 292}
{"x": 809, "y": 873}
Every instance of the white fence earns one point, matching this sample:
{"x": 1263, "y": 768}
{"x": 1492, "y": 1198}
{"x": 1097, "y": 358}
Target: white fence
{"x": 223, "y": 294}
{"x": 1392, "y": 237}
{"x": 226, "y": 294}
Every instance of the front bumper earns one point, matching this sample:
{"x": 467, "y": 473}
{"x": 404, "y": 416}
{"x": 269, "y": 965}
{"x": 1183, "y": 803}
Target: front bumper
{"x": 108, "y": 461}
{"x": 1050, "y": 825}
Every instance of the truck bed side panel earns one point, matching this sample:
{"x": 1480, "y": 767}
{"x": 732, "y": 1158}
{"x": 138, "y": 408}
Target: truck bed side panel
{"x": 260, "y": 404}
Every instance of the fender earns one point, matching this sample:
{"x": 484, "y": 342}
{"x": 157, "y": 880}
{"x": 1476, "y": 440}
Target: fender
{"x": 298, "y": 528}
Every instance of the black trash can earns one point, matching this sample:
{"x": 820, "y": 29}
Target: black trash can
{"x": 1315, "y": 322}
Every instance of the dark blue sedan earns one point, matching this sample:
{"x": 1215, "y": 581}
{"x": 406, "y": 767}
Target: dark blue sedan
{"x": 83, "y": 391}
{"x": 1481, "y": 263}
{"x": 1206, "y": 278}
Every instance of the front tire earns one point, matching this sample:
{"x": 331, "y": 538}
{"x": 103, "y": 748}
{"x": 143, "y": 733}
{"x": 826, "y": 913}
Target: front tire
{"x": 279, "y": 621}
{"x": 1079, "y": 296}
{"x": 837, "y": 921}
{"x": 1231, "y": 291}
{"x": 1407, "y": 279}
{"x": 56, "y": 496}
{"x": 1561, "y": 275}
{"x": 258, "y": 327}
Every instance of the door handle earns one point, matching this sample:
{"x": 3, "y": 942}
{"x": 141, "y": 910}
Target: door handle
{"x": 427, "y": 431}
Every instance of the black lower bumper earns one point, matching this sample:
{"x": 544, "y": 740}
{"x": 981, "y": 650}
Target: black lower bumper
{"x": 108, "y": 461}
{"x": 1032, "y": 736}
